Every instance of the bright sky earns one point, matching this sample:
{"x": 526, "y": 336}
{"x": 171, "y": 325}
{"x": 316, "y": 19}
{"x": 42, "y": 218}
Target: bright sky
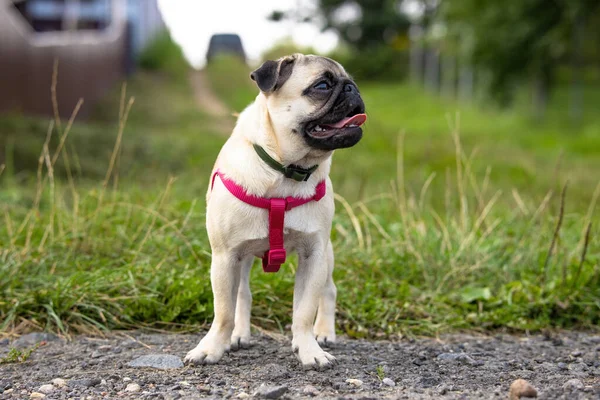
{"x": 192, "y": 22}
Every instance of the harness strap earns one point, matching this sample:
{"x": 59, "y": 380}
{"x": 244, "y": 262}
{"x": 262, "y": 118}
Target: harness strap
{"x": 276, "y": 255}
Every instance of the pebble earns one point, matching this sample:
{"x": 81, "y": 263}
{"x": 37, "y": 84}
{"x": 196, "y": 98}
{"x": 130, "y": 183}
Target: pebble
{"x": 46, "y": 389}
{"x": 572, "y": 385}
{"x": 563, "y": 366}
{"x": 388, "y": 382}
{"x": 126, "y": 379}
{"x": 271, "y": 392}
{"x": 443, "y": 389}
{"x": 521, "y": 388}
{"x": 458, "y": 357}
{"x": 243, "y": 395}
{"x": 158, "y": 361}
{"x": 355, "y": 382}
{"x": 310, "y": 390}
{"x": 59, "y": 382}
{"x": 203, "y": 388}
{"x": 4, "y": 342}
{"x": 87, "y": 383}
{"x": 36, "y": 395}
{"x": 133, "y": 387}
{"x": 31, "y": 339}
{"x": 96, "y": 354}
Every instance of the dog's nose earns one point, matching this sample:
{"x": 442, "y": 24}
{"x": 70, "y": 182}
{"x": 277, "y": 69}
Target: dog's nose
{"x": 348, "y": 87}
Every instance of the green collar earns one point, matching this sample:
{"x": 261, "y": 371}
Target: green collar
{"x": 292, "y": 171}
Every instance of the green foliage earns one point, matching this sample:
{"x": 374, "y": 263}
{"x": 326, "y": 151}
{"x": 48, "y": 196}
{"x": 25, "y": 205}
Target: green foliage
{"x": 147, "y": 149}
{"x": 230, "y": 79}
{"x": 163, "y": 54}
{"x": 285, "y": 48}
{"x": 18, "y": 356}
{"x": 380, "y": 372}
{"x": 378, "y": 22}
{"x": 379, "y": 63}
{"x": 516, "y": 41}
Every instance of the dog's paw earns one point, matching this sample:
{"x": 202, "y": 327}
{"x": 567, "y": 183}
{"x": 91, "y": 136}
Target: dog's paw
{"x": 325, "y": 339}
{"x": 207, "y": 352}
{"x": 312, "y": 356}
{"x": 240, "y": 342}
{"x": 316, "y": 360}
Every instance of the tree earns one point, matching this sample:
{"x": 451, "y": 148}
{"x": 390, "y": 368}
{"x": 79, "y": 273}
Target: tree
{"x": 377, "y": 22}
{"x": 362, "y": 24}
{"x": 517, "y": 39}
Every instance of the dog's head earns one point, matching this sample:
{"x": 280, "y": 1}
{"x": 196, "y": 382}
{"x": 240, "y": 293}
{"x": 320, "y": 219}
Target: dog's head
{"x": 311, "y": 101}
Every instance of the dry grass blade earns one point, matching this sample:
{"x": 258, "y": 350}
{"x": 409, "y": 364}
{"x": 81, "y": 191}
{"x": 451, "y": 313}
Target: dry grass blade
{"x": 589, "y": 214}
{"x": 454, "y": 130}
{"x": 586, "y": 243}
{"x": 520, "y": 203}
{"x": 556, "y": 231}
{"x": 374, "y": 221}
{"x": 65, "y": 134}
{"x": 54, "y": 96}
{"x": 353, "y": 219}
{"x": 9, "y": 228}
{"x": 124, "y": 115}
{"x": 149, "y": 230}
{"x": 135, "y": 340}
{"x": 424, "y": 190}
{"x": 445, "y": 233}
{"x": 2, "y": 167}
{"x": 28, "y": 221}
{"x": 477, "y": 225}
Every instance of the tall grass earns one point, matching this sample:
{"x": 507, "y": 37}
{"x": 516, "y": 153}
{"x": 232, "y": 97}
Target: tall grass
{"x": 97, "y": 258}
{"x": 115, "y": 252}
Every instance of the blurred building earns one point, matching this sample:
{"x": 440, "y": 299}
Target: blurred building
{"x": 95, "y": 43}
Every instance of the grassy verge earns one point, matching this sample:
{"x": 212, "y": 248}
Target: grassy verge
{"x": 415, "y": 253}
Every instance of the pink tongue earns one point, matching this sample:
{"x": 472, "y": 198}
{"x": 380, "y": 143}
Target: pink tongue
{"x": 357, "y": 120}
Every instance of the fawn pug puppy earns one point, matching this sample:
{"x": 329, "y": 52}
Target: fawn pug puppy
{"x": 270, "y": 193}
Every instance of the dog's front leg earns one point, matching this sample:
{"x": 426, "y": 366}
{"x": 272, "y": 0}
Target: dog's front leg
{"x": 325, "y": 324}
{"x": 225, "y": 279}
{"x": 241, "y": 333}
{"x": 311, "y": 278}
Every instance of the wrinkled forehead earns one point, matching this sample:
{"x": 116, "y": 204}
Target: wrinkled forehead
{"x": 309, "y": 68}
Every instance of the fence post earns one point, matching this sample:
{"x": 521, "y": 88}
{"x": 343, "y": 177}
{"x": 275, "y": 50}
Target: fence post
{"x": 449, "y": 76}
{"x": 415, "y": 33}
{"x": 576, "y": 88}
{"x": 465, "y": 82}
{"x": 432, "y": 70}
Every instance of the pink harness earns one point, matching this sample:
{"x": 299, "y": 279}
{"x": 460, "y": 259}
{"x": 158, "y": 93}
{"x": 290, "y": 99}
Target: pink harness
{"x": 275, "y": 256}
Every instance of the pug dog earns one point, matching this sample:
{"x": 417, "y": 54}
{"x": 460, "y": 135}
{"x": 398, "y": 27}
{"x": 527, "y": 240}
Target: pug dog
{"x": 281, "y": 148}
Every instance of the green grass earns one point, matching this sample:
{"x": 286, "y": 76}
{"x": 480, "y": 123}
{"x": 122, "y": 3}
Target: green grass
{"x": 17, "y": 355}
{"x": 231, "y": 81}
{"x": 416, "y": 253}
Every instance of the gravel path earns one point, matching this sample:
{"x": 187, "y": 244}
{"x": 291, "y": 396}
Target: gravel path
{"x": 564, "y": 366}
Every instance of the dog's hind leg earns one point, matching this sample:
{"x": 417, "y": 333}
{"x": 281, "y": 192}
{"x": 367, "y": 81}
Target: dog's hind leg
{"x": 225, "y": 280}
{"x": 241, "y": 333}
{"x": 324, "y": 328}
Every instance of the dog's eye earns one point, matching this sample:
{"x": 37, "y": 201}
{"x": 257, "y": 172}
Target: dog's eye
{"x": 323, "y": 85}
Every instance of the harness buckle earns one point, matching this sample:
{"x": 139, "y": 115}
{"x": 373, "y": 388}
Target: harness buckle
{"x": 273, "y": 259}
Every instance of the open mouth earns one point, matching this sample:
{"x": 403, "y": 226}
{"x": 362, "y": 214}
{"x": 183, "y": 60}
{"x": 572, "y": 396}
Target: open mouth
{"x": 342, "y": 126}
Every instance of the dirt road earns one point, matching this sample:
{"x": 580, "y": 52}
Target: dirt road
{"x": 222, "y": 118}
{"x": 565, "y": 366}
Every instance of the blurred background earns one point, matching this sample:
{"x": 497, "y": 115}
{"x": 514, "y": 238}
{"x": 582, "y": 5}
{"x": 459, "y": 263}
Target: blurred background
{"x": 481, "y": 113}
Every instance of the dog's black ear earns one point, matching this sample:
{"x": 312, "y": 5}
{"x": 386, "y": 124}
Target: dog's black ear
{"x": 272, "y": 74}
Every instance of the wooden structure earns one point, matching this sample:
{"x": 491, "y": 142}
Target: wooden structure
{"x": 90, "y": 61}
